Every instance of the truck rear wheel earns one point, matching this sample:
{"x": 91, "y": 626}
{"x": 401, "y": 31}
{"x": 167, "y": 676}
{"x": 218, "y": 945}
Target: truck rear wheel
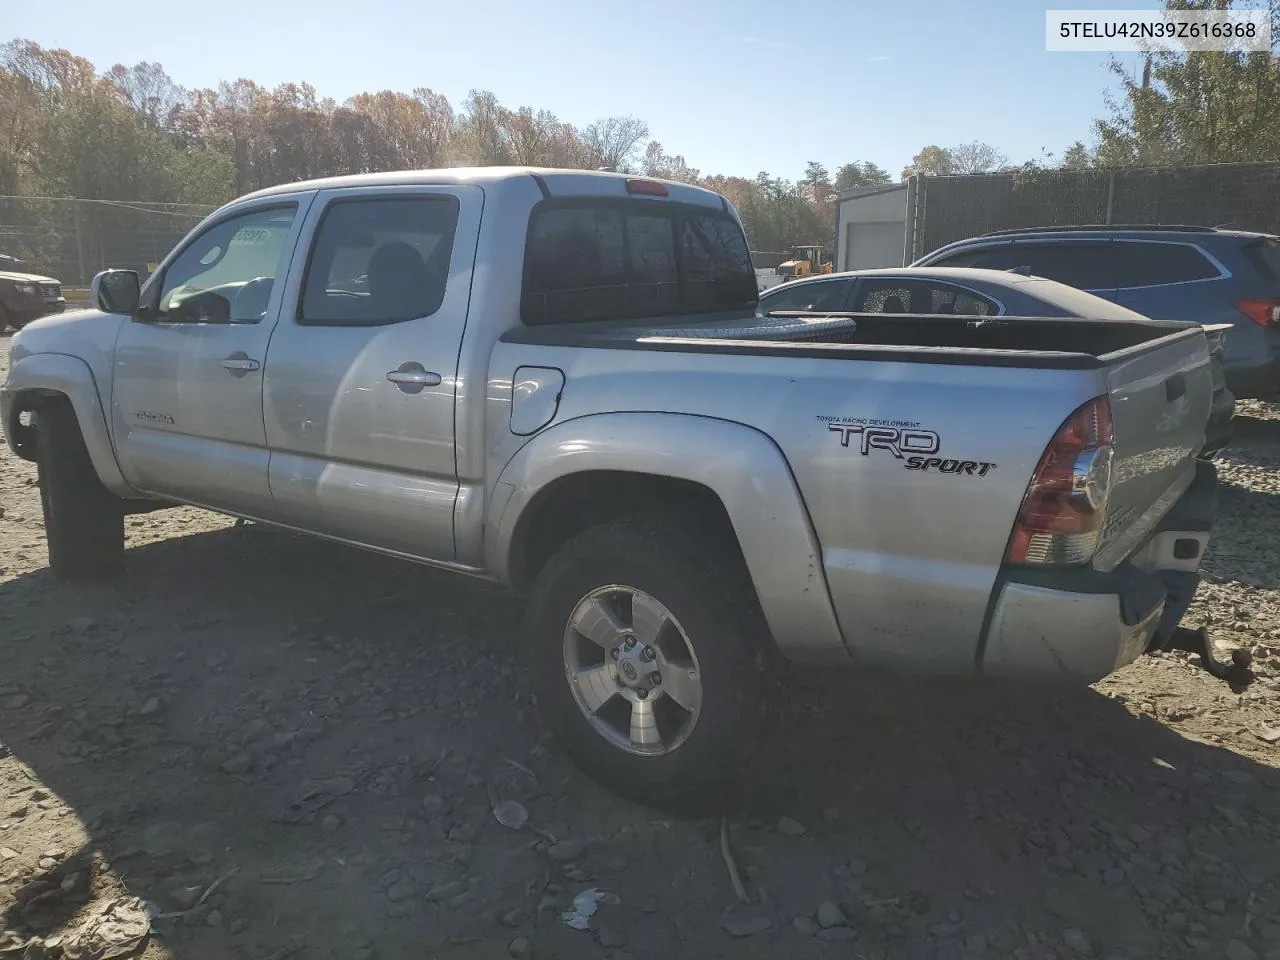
{"x": 651, "y": 661}
{"x": 83, "y": 520}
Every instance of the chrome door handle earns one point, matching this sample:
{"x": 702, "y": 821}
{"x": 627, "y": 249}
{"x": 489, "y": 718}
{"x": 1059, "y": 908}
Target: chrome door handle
{"x": 411, "y": 377}
{"x": 239, "y": 363}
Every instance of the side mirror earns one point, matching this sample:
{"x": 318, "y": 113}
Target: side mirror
{"x": 116, "y": 291}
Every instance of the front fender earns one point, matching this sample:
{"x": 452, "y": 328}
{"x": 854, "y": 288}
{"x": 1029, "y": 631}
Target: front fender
{"x": 741, "y": 465}
{"x": 45, "y": 373}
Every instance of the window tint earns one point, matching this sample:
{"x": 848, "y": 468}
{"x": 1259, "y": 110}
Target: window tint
{"x": 821, "y": 295}
{"x": 892, "y": 295}
{"x": 226, "y": 274}
{"x": 1146, "y": 264}
{"x": 606, "y": 260}
{"x": 381, "y": 261}
{"x": 1085, "y": 266}
{"x": 988, "y": 258}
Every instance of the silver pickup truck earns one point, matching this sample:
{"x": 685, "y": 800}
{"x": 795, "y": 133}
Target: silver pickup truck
{"x": 556, "y": 380}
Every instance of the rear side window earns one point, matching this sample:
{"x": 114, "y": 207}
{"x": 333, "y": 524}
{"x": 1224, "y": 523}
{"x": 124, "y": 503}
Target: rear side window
{"x": 379, "y": 261}
{"x": 1143, "y": 264}
{"x": 1264, "y": 254}
{"x": 820, "y": 295}
{"x": 609, "y": 260}
{"x": 986, "y": 258}
{"x": 1085, "y": 266}
{"x": 921, "y": 296}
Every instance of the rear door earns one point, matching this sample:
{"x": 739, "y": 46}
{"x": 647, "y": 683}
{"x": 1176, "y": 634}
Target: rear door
{"x": 361, "y": 376}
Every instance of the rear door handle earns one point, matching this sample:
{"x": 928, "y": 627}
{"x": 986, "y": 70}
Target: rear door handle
{"x": 411, "y": 377}
{"x": 240, "y": 363}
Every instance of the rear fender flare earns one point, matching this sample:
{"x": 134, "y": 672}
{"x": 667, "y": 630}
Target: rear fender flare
{"x": 741, "y": 465}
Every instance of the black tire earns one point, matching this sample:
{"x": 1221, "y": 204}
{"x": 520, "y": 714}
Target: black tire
{"x": 705, "y": 588}
{"x": 83, "y": 520}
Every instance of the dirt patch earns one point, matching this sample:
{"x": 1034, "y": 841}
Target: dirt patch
{"x": 287, "y": 748}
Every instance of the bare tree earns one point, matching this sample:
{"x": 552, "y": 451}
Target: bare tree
{"x": 148, "y": 89}
{"x": 613, "y": 141}
{"x": 480, "y": 131}
{"x": 976, "y": 157}
{"x": 529, "y": 135}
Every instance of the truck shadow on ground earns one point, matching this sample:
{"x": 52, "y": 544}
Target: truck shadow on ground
{"x": 332, "y": 726}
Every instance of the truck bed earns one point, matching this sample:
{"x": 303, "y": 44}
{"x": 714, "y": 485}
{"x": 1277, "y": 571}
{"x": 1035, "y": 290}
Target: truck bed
{"x": 911, "y": 555}
{"x": 1039, "y": 342}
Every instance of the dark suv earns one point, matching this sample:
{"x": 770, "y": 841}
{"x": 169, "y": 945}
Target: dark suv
{"x": 1163, "y": 272}
{"x": 25, "y": 296}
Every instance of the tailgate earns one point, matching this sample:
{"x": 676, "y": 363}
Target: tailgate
{"x": 1160, "y": 394}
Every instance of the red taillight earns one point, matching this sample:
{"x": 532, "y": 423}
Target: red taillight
{"x": 1265, "y": 313}
{"x": 647, "y": 188}
{"x": 1061, "y": 518}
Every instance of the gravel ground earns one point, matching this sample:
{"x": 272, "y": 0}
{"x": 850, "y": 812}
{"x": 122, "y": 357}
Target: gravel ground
{"x": 287, "y": 748}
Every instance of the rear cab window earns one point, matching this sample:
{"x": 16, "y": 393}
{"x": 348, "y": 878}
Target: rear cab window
{"x": 610, "y": 259}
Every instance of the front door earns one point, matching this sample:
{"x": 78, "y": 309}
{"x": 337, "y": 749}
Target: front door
{"x": 187, "y": 394}
{"x": 361, "y": 375}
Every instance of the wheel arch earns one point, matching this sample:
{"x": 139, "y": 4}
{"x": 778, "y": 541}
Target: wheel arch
{"x": 42, "y": 378}
{"x": 727, "y": 476}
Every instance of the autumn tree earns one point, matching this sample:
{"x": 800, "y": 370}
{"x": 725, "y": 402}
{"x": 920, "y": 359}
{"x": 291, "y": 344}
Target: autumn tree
{"x": 658, "y": 163}
{"x": 931, "y": 161}
{"x": 1196, "y": 107}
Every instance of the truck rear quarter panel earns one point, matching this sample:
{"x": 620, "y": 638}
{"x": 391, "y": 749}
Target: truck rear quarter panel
{"x": 911, "y": 474}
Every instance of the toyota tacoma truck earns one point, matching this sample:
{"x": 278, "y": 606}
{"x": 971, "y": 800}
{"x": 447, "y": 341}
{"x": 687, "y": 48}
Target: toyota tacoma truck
{"x": 556, "y": 380}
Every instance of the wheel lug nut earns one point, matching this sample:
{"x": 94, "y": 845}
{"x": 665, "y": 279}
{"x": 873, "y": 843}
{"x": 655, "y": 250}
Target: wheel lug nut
{"x": 642, "y": 693}
{"x": 615, "y": 653}
{"x": 649, "y": 653}
{"x": 630, "y": 643}
{"x": 655, "y": 678}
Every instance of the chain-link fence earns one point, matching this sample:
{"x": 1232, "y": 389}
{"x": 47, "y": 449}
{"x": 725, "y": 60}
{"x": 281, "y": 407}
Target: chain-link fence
{"x": 72, "y": 239}
{"x": 1241, "y": 195}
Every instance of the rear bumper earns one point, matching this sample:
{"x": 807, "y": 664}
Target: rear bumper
{"x": 1082, "y": 624}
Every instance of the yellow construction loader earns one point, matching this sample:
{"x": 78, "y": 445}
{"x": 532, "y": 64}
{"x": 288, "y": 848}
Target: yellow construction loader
{"x": 809, "y": 260}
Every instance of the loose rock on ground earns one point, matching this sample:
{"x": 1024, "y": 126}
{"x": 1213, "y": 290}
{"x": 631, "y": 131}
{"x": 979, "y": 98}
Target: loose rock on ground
{"x": 324, "y": 731}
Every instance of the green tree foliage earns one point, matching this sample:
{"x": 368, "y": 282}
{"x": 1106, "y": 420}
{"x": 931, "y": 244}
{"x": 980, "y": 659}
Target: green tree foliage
{"x": 1196, "y": 107}
{"x": 865, "y": 174}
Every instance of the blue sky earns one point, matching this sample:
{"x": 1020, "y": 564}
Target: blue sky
{"x": 737, "y": 86}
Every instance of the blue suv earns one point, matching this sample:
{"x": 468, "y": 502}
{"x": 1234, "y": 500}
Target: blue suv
{"x": 1204, "y": 274}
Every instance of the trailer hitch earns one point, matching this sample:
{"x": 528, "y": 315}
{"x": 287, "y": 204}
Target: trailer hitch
{"x": 1236, "y": 673}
